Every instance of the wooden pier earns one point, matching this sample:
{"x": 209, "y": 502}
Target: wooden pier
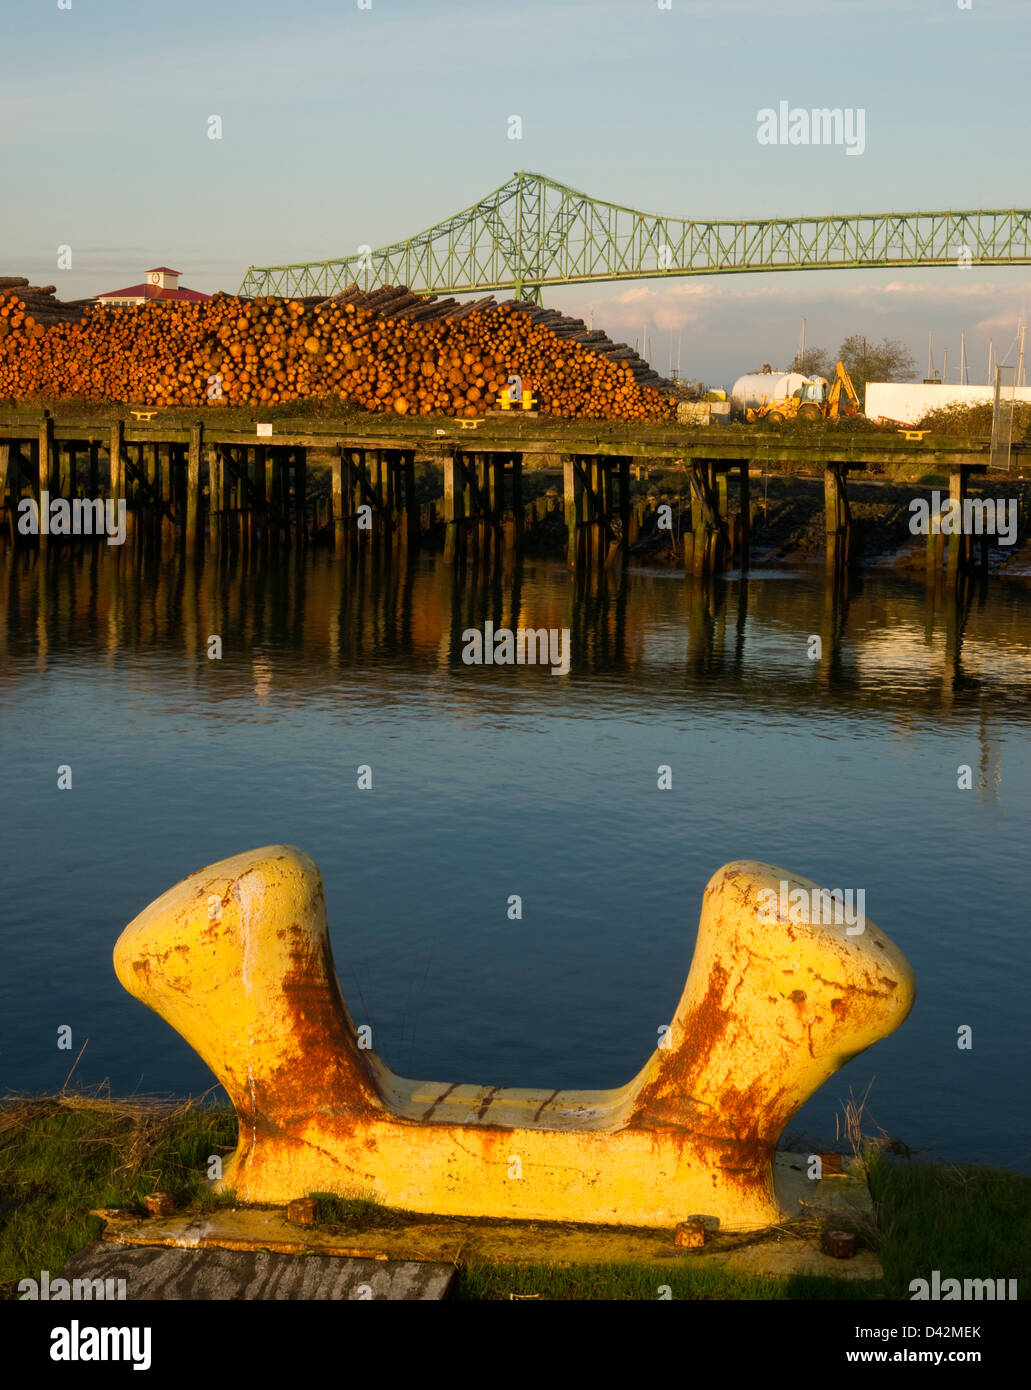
{"x": 231, "y": 480}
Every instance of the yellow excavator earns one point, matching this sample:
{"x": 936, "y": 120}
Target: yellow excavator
{"x": 818, "y": 399}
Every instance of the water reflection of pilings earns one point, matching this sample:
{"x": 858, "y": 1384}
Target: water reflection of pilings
{"x": 842, "y": 583}
{"x": 947, "y": 605}
{"x": 598, "y": 618}
{"x": 595, "y": 611}
{"x": 322, "y": 613}
{"x": 716, "y": 605}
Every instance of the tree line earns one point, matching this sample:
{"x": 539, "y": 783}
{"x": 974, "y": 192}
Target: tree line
{"x": 889, "y": 360}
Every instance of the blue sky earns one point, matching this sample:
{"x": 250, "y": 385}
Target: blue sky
{"x": 344, "y": 126}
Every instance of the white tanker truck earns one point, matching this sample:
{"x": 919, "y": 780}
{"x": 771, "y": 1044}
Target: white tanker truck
{"x": 776, "y": 396}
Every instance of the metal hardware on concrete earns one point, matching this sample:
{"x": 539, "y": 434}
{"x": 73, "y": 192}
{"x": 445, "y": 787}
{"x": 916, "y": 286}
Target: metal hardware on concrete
{"x": 689, "y": 1235}
{"x": 840, "y": 1244}
{"x": 301, "y": 1211}
{"x": 771, "y": 1009}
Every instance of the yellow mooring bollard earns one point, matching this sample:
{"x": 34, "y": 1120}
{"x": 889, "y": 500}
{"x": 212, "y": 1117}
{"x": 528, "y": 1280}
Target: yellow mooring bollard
{"x": 237, "y": 959}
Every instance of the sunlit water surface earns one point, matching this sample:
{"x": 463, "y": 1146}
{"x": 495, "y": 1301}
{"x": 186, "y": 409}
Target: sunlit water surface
{"x": 492, "y": 781}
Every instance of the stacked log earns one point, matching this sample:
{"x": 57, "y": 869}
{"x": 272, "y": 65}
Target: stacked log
{"x": 391, "y": 302}
{"x": 385, "y": 350}
{"x": 38, "y": 303}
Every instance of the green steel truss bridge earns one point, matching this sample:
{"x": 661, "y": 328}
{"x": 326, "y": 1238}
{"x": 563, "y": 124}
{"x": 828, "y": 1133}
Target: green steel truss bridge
{"x": 533, "y": 232}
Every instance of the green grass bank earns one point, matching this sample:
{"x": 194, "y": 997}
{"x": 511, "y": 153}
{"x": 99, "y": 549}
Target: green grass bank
{"x": 61, "y": 1156}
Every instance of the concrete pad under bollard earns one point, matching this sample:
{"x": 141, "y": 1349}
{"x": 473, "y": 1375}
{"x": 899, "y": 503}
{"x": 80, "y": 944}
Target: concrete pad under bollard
{"x": 789, "y": 1249}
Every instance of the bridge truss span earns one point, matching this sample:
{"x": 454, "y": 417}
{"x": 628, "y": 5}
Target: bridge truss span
{"x": 533, "y": 232}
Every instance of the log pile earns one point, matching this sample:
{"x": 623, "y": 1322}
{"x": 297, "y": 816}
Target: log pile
{"x": 387, "y": 349}
{"x": 36, "y": 303}
{"x": 400, "y": 303}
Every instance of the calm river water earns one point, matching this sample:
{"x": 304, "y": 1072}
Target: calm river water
{"x": 489, "y": 781}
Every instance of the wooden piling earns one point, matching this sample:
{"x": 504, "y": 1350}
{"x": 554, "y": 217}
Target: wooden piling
{"x": 699, "y": 478}
{"x": 336, "y": 500}
{"x": 573, "y": 498}
{"x": 65, "y": 461}
{"x": 454, "y": 504}
{"x": 301, "y": 494}
{"x": 411, "y": 505}
{"x": 259, "y": 498}
{"x": 215, "y": 481}
{"x": 955, "y": 562}
{"x": 46, "y": 452}
{"x": 116, "y": 479}
{"x": 837, "y": 516}
{"x": 745, "y": 514}
{"x": 932, "y": 550}
{"x": 5, "y": 479}
{"x": 193, "y": 481}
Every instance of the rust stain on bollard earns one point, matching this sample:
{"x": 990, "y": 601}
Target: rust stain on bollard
{"x": 237, "y": 959}
{"x": 159, "y": 1204}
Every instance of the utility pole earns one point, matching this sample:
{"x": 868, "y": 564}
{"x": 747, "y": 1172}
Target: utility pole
{"x": 1020, "y": 359}
{"x": 963, "y": 359}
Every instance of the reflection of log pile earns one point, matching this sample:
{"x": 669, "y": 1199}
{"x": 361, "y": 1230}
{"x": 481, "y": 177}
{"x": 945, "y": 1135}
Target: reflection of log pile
{"x": 387, "y": 349}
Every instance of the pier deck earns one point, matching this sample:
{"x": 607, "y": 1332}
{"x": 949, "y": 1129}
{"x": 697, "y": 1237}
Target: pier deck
{"x": 233, "y": 476}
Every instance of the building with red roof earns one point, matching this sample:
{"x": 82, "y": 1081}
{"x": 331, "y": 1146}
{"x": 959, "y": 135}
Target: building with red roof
{"x": 162, "y": 283}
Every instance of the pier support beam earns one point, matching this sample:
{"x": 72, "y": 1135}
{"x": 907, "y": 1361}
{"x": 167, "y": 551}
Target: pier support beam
{"x": 744, "y": 515}
{"x": 336, "y": 500}
{"x": 960, "y": 543}
{"x": 116, "y": 474}
{"x": 46, "y": 453}
{"x": 300, "y": 494}
{"x": 837, "y": 515}
{"x": 216, "y": 476}
{"x": 65, "y": 460}
{"x": 572, "y": 493}
{"x": 596, "y": 493}
{"x": 455, "y": 489}
{"x": 709, "y": 507}
{"x": 193, "y": 482}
